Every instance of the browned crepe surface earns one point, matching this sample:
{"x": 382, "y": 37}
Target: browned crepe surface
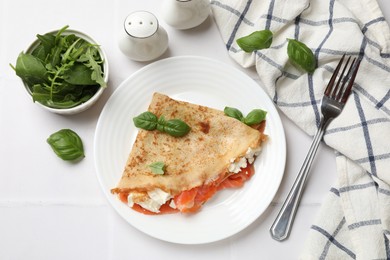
{"x": 192, "y": 160}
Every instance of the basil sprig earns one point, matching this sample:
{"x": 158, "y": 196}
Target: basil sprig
{"x": 66, "y": 144}
{"x": 256, "y": 41}
{"x": 149, "y": 121}
{"x": 157, "y": 167}
{"x": 256, "y": 116}
{"x": 146, "y": 120}
{"x": 301, "y": 55}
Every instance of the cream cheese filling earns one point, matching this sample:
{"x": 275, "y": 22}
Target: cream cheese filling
{"x": 155, "y": 199}
{"x": 237, "y": 164}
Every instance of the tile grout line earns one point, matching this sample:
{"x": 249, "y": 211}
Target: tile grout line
{"x": 2, "y": 25}
{"x": 91, "y": 203}
{"x": 110, "y": 237}
{"x": 51, "y": 203}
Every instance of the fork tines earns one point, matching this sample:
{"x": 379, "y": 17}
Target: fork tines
{"x": 338, "y": 91}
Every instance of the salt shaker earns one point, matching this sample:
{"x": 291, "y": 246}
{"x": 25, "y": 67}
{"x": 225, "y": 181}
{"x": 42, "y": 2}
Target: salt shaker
{"x": 185, "y": 14}
{"x": 143, "y": 38}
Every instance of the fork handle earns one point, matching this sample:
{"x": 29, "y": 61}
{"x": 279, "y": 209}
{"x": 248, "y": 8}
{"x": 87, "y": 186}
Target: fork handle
{"x": 281, "y": 227}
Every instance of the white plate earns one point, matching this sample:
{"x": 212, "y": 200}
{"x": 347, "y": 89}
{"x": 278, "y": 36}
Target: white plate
{"x": 205, "y": 82}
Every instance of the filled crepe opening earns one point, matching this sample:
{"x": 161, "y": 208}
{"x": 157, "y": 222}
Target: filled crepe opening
{"x": 168, "y": 171}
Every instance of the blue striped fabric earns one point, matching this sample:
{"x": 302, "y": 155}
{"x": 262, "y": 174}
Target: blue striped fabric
{"x": 354, "y": 221}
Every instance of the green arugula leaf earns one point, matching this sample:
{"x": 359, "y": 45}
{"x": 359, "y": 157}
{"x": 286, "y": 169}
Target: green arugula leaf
{"x": 158, "y": 167}
{"x": 90, "y": 61}
{"x": 66, "y": 56}
{"x": 55, "y": 56}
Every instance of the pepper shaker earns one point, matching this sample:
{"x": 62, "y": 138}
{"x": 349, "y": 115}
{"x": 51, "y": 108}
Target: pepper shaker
{"x": 143, "y": 38}
{"x": 185, "y": 14}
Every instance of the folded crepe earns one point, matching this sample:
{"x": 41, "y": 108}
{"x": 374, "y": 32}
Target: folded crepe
{"x": 218, "y": 152}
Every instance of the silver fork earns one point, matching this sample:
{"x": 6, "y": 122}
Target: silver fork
{"x": 335, "y": 97}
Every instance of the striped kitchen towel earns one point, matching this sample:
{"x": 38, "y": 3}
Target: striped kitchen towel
{"x": 354, "y": 221}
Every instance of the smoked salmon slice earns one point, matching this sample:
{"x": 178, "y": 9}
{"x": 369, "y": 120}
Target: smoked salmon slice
{"x": 237, "y": 180}
{"x": 192, "y": 200}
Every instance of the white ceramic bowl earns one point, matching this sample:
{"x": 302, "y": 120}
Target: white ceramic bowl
{"x": 83, "y": 106}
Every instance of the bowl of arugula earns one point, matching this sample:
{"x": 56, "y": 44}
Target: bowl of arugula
{"x": 64, "y": 71}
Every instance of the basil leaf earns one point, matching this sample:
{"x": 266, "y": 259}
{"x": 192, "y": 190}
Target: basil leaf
{"x": 255, "y": 117}
{"x": 147, "y": 120}
{"x": 66, "y": 144}
{"x": 157, "y": 167}
{"x": 161, "y": 124}
{"x": 30, "y": 69}
{"x": 173, "y": 127}
{"x": 301, "y": 55}
{"x": 255, "y": 41}
{"x": 67, "y": 96}
{"x": 40, "y": 53}
{"x": 48, "y": 41}
{"x": 79, "y": 74}
{"x": 176, "y": 127}
{"x": 233, "y": 112}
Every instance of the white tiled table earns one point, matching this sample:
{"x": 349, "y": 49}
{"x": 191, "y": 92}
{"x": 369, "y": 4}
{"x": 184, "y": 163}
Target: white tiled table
{"x": 50, "y": 209}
